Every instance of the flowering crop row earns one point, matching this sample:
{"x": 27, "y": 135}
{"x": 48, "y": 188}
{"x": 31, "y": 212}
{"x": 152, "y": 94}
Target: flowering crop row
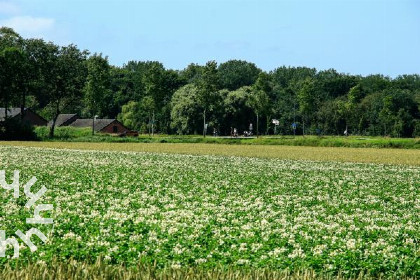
{"x": 208, "y": 211}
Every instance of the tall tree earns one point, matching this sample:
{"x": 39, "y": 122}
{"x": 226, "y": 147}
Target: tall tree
{"x": 139, "y": 115}
{"x": 9, "y": 38}
{"x": 208, "y": 86}
{"x": 185, "y": 111}
{"x": 192, "y": 73}
{"x": 307, "y": 96}
{"x": 13, "y": 63}
{"x": 260, "y": 103}
{"x": 12, "y": 60}
{"x": 237, "y": 107}
{"x": 66, "y": 79}
{"x": 263, "y": 98}
{"x": 234, "y": 74}
{"x": 97, "y": 85}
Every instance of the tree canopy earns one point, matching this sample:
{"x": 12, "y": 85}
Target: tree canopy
{"x": 54, "y": 79}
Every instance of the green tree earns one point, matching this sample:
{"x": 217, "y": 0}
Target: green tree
{"x": 148, "y": 107}
{"x": 154, "y": 83}
{"x": 331, "y": 84}
{"x": 14, "y": 67}
{"x": 185, "y": 111}
{"x": 9, "y": 38}
{"x": 263, "y": 98}
{"x": 375, "y": 83}
{"x": 284, "y": 77}
{"x": 192, "y": 73}
{"x": 138, "y": 115}
{"x": 208, "y": 86}
{"x": 349, "y": 108}
{"x": 234, "y": 74}
{"x": 398, "y": 112}
{"x": 259, "y": 102}
{"x": 11, "y": 59}
{"x": 307, "y": 98}
{"x": 129, "y": 115}
{"x": 237, "y": 106}
{"x": 66, "y": 79}
{"x": 97, "y": 85}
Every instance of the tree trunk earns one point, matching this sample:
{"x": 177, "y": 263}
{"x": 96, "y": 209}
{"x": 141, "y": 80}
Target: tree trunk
{"x": 149, "y": 126}
{"x": 267, "y": 125}
{"x": 22, "y": 105}
{"x": 93, "y": 124}
{"x": 57, "y": 112}
{"x": 5, "y": 107}
{"x": 257, "y": 125}
{"x": 153, "y": 123}
{"x": 204, "y": 124}
{"x": 303, "y": 128}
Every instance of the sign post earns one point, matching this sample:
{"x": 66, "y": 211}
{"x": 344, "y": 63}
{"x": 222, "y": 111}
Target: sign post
{"x": 276, "y": 123}
{"x": 294, "y": 125}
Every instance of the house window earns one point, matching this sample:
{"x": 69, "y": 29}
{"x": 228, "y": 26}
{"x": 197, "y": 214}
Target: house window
{"x": 115, "y": 129}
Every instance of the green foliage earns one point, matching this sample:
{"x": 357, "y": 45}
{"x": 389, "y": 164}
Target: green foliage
{"x": 234, "y": 74}
{"x": 138, "y": 115}
{"x": 62, "y": 79}
{"x": 65, "y": 76}
{"x": 97, "y": 86}
{"x": 308, "y": 98}
{"x": 63, "y": 133}
{"x": 237, "y": 107}
{"x": 208, "y": 85}
{"x": 15, "y": 129}
{"x": 185, "y": 114}
{"x": 173, "y": 211}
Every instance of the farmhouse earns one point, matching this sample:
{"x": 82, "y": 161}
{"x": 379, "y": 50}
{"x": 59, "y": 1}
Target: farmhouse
{"x": 29, "y": 116}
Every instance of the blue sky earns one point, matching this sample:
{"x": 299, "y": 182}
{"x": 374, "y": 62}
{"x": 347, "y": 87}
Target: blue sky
{"x": 357, "y": 37}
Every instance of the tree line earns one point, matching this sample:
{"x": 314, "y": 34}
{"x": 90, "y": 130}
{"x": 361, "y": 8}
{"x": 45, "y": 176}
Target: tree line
{"x": 54, "y": 79}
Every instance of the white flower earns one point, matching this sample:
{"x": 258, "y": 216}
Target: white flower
{"x": 176, "y": 266}
{"x": 242, "y": 262}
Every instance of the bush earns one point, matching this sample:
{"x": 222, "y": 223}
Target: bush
{"x": 64, "y": 133}
{"x": 15, "y": 129}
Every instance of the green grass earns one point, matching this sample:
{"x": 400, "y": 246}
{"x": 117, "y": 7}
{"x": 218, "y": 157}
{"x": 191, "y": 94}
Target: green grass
{"x": 72, "y": 134}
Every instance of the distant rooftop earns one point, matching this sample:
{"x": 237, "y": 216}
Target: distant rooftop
{"x": 99, "y": 123}
{"x": 11, "y": 112}
{"x": 62, "y": 119}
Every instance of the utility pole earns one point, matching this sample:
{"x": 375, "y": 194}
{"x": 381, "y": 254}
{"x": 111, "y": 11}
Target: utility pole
{"x": 93, "y": 124}
{"x": 257, "y": 125}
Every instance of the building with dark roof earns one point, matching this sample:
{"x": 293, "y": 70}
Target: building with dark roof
{"x": 102, "y": 125}
{"x": 29, "y": 116}
{"x": 64, "y": 120}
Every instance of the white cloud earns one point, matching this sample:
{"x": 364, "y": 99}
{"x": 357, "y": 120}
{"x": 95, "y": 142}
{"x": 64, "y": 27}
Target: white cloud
{"x": 29, "y": 25}
{"x": 8, "y": 8}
